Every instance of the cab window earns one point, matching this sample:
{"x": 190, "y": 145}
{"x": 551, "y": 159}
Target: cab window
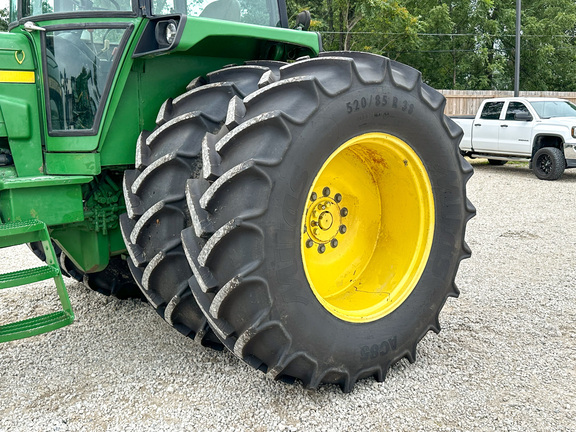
{"x": 39, "y": 7}
{"x": 492, "y": 110}
{"x": 261, "y": 12}
{"x": 79, "y": 65}
{"x": 515, "y": 108}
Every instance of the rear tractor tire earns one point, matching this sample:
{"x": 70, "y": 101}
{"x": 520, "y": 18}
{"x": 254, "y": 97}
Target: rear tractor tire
{"x": 328, "y": 221}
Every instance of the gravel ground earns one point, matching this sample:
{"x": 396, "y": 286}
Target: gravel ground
{"x": 505, "y": 359}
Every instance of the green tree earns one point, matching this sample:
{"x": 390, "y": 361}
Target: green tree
{"x": 458, "y": 48}
{"x": 379, "y": 26}
{"x": 382, "y": 27}
{"x": 548, "y": 50}
{"x": 471, "y": 45}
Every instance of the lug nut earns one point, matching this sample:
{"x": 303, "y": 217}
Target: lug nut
{"x": 342, "y": 229}
{"x": 344, "y": 212}
{"x": 326, "y": 191}
{"x": 313, "y": 196}
{"x": 309, "y": 243}
{"x": 334, "y": 243}
{"x": 321, "y": 249}
{"x": 337, "y": 197}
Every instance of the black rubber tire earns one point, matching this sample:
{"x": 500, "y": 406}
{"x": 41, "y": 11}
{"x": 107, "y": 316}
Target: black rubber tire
{"x": 66, "y": 266}
{"x": 549, "y": 163}
{"x": 244, "y": 246}
{"x": 115, "y": 280}
{"x": 155, "y": 192}
{"x": 496, "y": 162}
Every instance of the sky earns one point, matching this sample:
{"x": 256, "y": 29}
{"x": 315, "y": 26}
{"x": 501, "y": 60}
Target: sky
{"x": 4, "y": 4}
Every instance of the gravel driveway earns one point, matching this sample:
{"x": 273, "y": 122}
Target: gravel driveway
{"x": 504, "y": 361}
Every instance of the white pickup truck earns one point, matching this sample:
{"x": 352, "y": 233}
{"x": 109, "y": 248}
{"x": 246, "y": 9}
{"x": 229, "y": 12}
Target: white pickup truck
{"x": 539, "y": 130}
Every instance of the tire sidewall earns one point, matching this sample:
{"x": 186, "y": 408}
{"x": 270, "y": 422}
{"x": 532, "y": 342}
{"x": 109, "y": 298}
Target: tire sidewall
{"x": 313, "y": 329}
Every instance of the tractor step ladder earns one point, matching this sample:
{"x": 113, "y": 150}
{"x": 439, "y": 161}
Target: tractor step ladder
{"x": 17, "y": 233}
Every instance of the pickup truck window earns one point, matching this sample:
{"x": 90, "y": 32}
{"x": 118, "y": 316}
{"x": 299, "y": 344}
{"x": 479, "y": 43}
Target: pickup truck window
{"x": 515, "y": 108}
{"x": 549, "y": 109}
{"x": 492, "y": 110}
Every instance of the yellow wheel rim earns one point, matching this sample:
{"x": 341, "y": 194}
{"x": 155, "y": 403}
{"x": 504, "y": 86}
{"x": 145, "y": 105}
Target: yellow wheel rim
{"x": 367, "y": 227}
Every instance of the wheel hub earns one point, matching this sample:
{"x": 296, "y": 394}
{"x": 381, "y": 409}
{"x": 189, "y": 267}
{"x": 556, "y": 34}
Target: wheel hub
{"x": 324, "y": 219}
{"x": 545, "y": 164}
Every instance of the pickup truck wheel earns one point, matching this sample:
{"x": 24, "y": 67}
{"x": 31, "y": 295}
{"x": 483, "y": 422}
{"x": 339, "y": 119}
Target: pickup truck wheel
{"x": 549, "y": 163}
{"x": 497, "y": 162}
{"x": 155, "y": 192}
{"x": 327, "y": 228}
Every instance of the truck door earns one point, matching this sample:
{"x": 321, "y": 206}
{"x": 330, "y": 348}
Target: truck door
{"x": 486, "y": 128}
{"x": 515, "y": 134}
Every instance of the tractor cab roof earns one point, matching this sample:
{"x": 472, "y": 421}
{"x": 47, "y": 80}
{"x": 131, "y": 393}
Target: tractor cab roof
{"x": 264, "y": 12}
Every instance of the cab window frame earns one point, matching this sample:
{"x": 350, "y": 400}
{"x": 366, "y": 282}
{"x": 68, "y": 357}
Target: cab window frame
{"x": 23, "y": 5}
{"x": 128, "y": 29}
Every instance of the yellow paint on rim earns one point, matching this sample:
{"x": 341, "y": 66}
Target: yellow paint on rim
{"x": 22, "y": 77}
{"x": 367, "y": 227}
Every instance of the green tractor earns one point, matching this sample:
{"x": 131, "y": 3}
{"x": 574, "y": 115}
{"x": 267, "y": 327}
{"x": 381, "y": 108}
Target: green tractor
{"x": 304, "y": 209}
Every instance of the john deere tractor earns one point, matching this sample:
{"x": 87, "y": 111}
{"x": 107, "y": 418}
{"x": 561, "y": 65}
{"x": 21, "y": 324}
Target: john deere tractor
{"x": 304, "y": 209}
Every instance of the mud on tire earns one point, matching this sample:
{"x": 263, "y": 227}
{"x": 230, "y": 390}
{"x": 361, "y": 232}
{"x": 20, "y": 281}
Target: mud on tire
{"x": 363, "y": 136}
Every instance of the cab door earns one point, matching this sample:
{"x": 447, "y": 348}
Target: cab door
{"x": 80, "y": 61}
{"x": 516, "y": 134}
{"x": 486, "y": 128}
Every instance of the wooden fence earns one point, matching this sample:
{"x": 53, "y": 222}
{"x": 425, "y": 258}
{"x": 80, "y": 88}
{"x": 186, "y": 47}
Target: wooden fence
{"x": 467, "y": 102}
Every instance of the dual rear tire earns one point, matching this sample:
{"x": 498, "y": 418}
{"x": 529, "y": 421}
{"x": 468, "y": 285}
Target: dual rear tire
{"x": 322, "y": 219}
